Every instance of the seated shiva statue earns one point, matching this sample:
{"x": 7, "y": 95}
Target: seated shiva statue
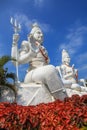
{"x": 33, "y": 52}
{"x": 69, "y": 74}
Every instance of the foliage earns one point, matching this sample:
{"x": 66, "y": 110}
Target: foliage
{"x": 70, "y": 114}
{"x": 4, "y": 75}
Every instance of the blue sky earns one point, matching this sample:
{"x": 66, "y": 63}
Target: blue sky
{"x": 64, "y": 24}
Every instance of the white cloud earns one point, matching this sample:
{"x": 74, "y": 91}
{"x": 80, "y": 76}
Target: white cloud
{"x": 82, "y": 71}
{"x": 45, "y": 27}
{"x": 26, "y": 22}
{"x": 38, "y": 3}
{"x": 83, "y": 68}
{"x": 82, "y": 58}
{"x": 23, "y": 20}
{"x": 35, "y": 3}
{"x": 81, "y": 61}
{"x": 75, "y": 39}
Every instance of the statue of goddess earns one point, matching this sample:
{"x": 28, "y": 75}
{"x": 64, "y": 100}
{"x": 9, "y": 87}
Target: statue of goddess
{"x": 69, "y": 74}
{"x": 33, "y": 52}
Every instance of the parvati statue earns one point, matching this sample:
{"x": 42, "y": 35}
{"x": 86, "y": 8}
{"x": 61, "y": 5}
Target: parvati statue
{"x": 69, "y": 74}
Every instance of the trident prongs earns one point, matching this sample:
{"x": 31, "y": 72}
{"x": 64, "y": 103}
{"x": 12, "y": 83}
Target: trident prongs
{"x": 16, "y": 25}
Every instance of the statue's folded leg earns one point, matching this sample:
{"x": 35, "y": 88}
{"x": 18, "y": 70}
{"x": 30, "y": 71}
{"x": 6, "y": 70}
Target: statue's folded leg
{"x": 55, "y": 84}
{"x": 48, "y": 76}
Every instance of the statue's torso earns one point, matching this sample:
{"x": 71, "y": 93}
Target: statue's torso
{"x": 38, "y": 61}
{"x": 66, "y": 73}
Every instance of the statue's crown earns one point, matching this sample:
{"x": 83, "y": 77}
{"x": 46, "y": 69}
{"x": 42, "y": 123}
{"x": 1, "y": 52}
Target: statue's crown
{"x": 64, "y": 54}
{"x": 35, "y": 26}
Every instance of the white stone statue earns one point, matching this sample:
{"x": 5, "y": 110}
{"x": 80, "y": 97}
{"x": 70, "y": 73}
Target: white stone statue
{"x": 33, "y": 52}
{"x": 69, "y": 74}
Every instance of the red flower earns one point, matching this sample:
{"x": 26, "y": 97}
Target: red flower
{"x": 70, "y": 114}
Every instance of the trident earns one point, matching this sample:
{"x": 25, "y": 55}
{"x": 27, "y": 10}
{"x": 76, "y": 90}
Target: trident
{"x": 17, "y": 28}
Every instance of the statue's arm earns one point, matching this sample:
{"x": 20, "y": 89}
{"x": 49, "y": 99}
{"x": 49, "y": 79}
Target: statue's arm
{"x": 67, "y": 74}
{"x": 24, "y": 55}
{"x": 76, "y": 75}
{"x": 14, "y": 50}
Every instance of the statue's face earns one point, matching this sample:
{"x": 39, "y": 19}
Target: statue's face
{"x": 38, "y": 35}
{"x": 67, "y": 60}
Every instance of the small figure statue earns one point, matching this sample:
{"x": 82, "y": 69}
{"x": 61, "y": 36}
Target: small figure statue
{"x": 69, "y": 74}
{"x": 33, "y": 52}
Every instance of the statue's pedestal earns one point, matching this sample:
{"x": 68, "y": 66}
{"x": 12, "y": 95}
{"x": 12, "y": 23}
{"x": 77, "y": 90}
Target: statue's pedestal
{"x": 33, "y": 94}
{"x": 6, "y": 94}
{"x": 71, "y": 92}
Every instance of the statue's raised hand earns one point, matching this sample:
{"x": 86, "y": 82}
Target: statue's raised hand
{"x": 15, "y": 38}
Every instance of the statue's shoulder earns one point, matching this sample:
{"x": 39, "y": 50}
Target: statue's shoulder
{"x": 63, "y": 66}
{"x": 25, "y": 43}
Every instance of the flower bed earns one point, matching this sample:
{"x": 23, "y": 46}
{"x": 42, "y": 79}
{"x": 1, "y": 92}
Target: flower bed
{"x": 70, "y": 114}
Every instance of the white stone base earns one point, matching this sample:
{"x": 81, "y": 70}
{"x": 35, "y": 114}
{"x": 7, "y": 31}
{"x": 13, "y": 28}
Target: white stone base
{"x": 71, "y": 92}
{"x": 33, "y": 94}
{"x": 6, "y": 94}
